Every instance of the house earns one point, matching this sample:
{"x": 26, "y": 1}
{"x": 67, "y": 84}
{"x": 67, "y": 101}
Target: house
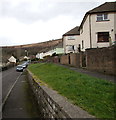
{"x": 12, "y": 59}
{"x": 49, "y": 53}
{"x": 98, "y": 27}
{"x": 42, "y": 55}
{"x": 38, "y": 55}
{"x": 59, "y": 49}
{"x": 71, "y": 40}
{"x": 26, "y": 58}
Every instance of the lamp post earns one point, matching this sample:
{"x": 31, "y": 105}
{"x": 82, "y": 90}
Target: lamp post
{"x": 26, "y": 52}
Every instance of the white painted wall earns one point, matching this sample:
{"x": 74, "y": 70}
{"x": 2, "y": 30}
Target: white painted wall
{"x": 12, "y": 59}
{"x": 85, "y": 35}
{"x": 103, "y": 26}
{"x": 67, "y": 42}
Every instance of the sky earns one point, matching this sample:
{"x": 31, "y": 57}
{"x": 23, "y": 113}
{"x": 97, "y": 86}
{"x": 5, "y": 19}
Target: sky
{"x": 34, "y": 21}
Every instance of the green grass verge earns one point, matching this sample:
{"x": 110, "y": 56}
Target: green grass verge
{"x": 93, "y": 95}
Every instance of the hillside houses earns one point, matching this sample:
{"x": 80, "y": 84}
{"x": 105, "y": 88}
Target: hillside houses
{"x": 97, "y": 29}
{"x": 57, "y": 50}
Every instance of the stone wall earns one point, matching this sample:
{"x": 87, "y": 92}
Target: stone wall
{"x": 53, "y": 105}
{"x": 56, "y": 59}
{"x": 48, "y": 59}
{"x": 72, "y": 59}
{"x": 75, "y": 59}
{"x": 64, "y": 59}
{"x": 95, "y": 59}
{"x": 101, "y": 60}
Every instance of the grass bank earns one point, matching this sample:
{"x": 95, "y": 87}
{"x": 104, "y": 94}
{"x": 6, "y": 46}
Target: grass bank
{"x": 93, "y": 95}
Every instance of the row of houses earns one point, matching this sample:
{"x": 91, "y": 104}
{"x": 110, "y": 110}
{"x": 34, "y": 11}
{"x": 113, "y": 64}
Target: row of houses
{"x": 97, "y": 30}
{"x": 56, "y": 51}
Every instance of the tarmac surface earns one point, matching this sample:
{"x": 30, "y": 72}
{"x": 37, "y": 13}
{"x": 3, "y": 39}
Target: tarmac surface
{"x": 20, "y": 102}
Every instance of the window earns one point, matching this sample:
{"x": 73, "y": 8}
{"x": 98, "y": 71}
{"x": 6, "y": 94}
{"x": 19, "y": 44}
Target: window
{"x": 82, "y": 44}
{"x": 102, "y": 17}
{"x": 71, "y": 37}
{"x": 103, "y": 36}
{"x": 81, "y": 30}
{"x": 70, "y": 48}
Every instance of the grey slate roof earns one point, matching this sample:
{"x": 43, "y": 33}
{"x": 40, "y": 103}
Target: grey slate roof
{"x": 106, "y": 7}
{"x": 74, "y": 31}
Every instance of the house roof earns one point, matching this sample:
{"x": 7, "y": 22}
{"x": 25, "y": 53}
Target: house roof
{"x": 12, "y": 59}
{"x": 106, "y": 7}
{"x": 74, "y": 31}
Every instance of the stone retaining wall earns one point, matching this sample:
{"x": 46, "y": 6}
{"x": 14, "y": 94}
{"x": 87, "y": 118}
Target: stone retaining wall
{"x": 53, "y": 105}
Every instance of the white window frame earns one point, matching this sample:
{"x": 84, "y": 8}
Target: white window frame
{"x": 71, "y": 37}
{"x": 102, "y": 17}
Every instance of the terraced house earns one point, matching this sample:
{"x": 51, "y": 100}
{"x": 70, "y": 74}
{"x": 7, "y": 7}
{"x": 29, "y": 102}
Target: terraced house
{"x": 71, "y": 40}
{"x": 98, "y": 27}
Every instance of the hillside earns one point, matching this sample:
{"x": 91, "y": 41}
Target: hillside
{"x": 19, "y": 50}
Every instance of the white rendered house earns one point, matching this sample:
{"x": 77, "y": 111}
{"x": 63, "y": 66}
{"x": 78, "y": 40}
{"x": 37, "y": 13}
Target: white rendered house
{"x": 71, "y": 40}
{"x": 98, "y": 28}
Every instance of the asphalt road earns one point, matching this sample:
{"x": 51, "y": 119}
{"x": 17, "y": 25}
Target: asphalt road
{"x": 17, "y": 97}
{"x": 8, "y": 78}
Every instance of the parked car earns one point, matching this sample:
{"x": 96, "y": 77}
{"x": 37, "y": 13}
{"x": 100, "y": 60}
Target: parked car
{"x": 24, "y": 65}
{"x": 19, "y": 68}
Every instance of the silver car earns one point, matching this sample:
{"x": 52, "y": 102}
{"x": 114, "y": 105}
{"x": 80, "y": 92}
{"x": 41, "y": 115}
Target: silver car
{"x": 19, "y": 68}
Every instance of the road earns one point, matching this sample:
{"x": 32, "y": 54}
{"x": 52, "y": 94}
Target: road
{"x": 17, "y": 97}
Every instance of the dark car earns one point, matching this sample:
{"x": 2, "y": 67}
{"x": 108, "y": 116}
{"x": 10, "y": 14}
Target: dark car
{"x": 19, "y": 68}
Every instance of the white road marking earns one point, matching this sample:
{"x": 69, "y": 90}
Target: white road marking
{"x": 4, "y": 101}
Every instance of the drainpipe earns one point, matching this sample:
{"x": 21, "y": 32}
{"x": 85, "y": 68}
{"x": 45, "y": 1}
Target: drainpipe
{"x": 90, "y": 30}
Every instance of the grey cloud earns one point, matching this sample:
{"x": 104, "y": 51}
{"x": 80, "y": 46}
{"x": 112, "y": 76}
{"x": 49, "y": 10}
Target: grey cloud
{"x": 23, "y": 13}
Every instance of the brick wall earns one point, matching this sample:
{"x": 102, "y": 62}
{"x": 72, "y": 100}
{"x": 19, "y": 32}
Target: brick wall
{"x": 64, "y": 59}
{"x": 97, "y": 59}
{"x": 48, "y": 59}
{"x": 75, "y": 59}
{"x": 101, "y": 60}
{"x": 56, "y": 59}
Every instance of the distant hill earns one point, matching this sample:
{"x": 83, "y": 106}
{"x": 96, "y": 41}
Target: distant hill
{"x": 19, "y": 50}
